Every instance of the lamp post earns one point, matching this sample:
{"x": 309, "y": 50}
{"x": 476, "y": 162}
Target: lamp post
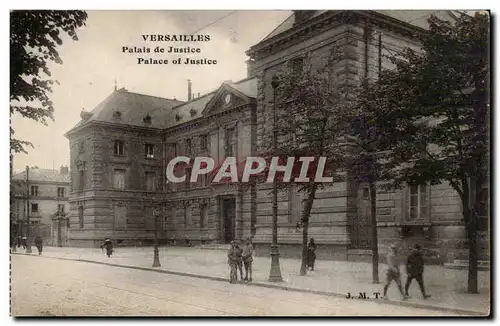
{"x": 28, "y": 240}
{"x": 156, "y": 260}
{"x": 275, "y": 273}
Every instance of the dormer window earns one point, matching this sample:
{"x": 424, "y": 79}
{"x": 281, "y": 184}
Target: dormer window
{"x": 192, "y": 112}
{"x": 178, "y": 117}
{"x": 85, "y": 115}
{"x": 117, "y": 114}
{"x": 147, "y": 119}
{"x": 149, "y": 150}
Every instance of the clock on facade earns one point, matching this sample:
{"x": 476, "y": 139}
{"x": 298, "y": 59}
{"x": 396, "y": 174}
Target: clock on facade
{"x": 227, "y": 99}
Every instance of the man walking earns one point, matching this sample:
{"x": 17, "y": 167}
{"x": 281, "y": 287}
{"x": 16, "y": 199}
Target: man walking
{"x": 108, "y": 245}
{"x": 415, "y": 270}
{"x": 248, "y": 259}
{"x": 39, "y": 244}
{"x": 393, "y": 272}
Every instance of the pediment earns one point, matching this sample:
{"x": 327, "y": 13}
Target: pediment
{"x": 226, "y": 98}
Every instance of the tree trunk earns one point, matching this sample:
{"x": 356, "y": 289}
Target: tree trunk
{"x": 305, "y": 227}
{"x": 374, "y": 245}
{"x": 470, "y": 220}
{"x": 471, "y": 235}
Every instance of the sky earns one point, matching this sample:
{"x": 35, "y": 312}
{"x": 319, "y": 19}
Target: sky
{"x": 92, "y": 64}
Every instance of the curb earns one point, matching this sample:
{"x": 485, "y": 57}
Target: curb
{"x": 271, "y": 286}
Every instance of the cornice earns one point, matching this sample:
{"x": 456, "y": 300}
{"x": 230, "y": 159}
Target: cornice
{"x": 93, "y": 125}
{"x": 327, "y": 21}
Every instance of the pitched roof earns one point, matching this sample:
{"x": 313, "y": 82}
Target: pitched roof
{"x": 247, "y": 87}
{"x": 288, "y": 24}
{"x": 184, "y": 110}
{"x": 133, "y": 108}
{"x": 46, "y": 175}
{"x": 417, "y": 18}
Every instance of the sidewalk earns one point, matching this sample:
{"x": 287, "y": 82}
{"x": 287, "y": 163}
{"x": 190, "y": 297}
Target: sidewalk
{"x": 446, "y": 286}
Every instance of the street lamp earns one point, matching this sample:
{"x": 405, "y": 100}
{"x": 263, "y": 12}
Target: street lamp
{"x": 28, "y": 240}
{"x": 275, "y": 273}
{"x": 156, "y": 260}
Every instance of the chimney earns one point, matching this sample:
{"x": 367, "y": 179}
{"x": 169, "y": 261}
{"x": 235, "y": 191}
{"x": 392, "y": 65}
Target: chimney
{"x": 190, "y": 95}
{"x": 64, "y": 170}
{"x": 250, "y": 68}
{"x": 302, "y": 15}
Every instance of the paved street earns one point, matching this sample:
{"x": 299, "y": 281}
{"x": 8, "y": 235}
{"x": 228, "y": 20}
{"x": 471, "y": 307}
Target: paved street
{"x": 446, "y": 286}
{"x": 43, "y": 286}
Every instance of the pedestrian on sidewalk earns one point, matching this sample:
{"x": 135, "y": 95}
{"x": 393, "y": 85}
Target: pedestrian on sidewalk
{"x": 247, "y": 256}
{"x": 311, "y": 254}
{"x": 39, "y": 244}
{"x": 393, "y": 271}
{"x": 415, "y": 270}
{"x": 24, "y": 241}
{"x": 234, "y": 261}
{"x": 19, "y": 241}
{"x": 109, "y": 247}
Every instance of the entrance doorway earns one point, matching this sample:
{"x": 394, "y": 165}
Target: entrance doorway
{"x": 228, "y": 209}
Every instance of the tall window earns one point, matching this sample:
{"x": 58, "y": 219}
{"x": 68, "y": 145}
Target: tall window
{"x": 230, "y": 142}
{"x": 60, "y": 192}
{"x": 34, "y": 208}
{"x": 186, "y": 215}
{"x": 82, "y": 179}
{"x": 205, "y": 180}
{"x": 119, "y": 179}
{"x": 80, "y": 216}
{"x": 203, "y": 214}
{"x": 187, "y": 182}
{"x": 418, "y": 202}
{"x": 60, "y": 208}
{"x": 189, "y": 146}
{"x": 118, "y": 148}
{"x": 150, "y": 181}
{"x": 176, "y": 149}
{"x": 204, "y": 142}
{"x": 149, "y": 150}
{"x": 297, "y": 65}
{"x": 34, "y": 190}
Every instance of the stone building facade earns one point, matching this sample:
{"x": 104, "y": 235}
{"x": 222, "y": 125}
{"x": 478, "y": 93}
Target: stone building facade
{"x": 44, "y": 196}
{"x": 119, "y": 153}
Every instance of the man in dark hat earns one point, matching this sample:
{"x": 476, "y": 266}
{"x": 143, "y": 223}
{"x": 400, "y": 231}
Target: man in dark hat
{"x": 415, "y": 270}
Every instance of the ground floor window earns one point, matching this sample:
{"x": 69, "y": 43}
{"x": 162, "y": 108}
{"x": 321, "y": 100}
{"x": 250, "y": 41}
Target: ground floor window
{"x": 418, "y": 202}
{"x": 80, "y": 216}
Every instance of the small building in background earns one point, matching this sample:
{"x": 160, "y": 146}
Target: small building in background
{"x": 43, "y": 194}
